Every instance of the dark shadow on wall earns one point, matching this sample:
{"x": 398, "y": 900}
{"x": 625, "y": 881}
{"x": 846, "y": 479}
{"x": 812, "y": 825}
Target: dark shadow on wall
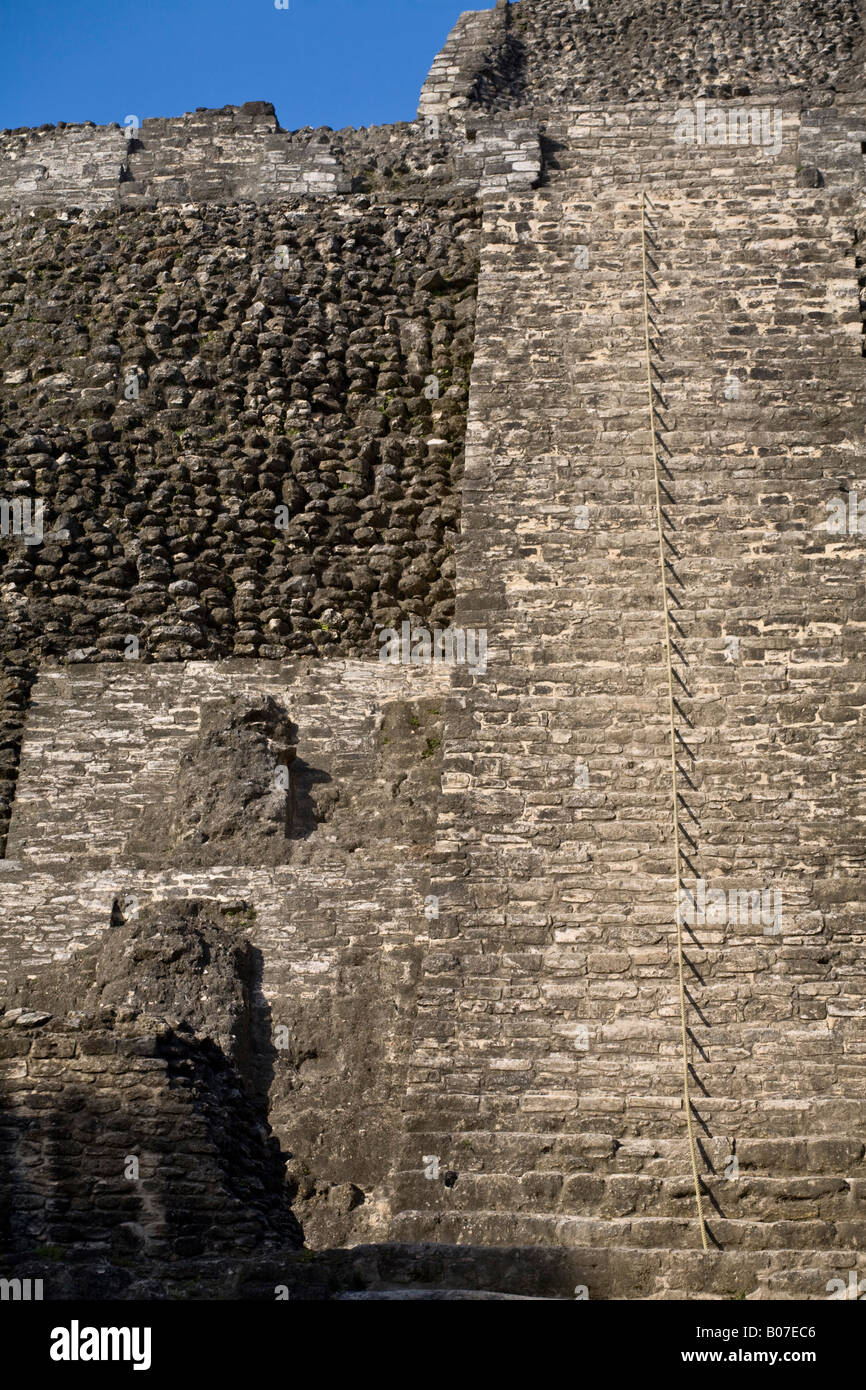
{"x": 16, "y": 685}
{"x": 18, "y": 1200}
{"x": 258, "y": 1064}
{"x": 63, "y": 1220}
{"x": 308, "y": 811}
{"x": 235, "y": 1197}
{"x": 241, "y": 795}
{"x": 155, "y": 1149}
{"x": 162, "y": 1158}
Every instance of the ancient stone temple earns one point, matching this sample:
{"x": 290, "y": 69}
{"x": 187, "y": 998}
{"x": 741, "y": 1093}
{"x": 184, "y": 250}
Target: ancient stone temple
{"x": 433, "y": 684}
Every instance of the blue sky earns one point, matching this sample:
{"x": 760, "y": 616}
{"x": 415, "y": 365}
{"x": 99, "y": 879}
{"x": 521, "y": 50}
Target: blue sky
{"x": 321, "y": 62}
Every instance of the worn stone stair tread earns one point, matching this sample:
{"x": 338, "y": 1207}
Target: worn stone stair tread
{"x": 638, "y": 1232}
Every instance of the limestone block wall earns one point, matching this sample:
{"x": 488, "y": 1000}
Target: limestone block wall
{"x": 237, "y": 154}
{"x": 63, "y": 168}
{"x": 545, "y": 1058}
{"x": 334, "y": 924}
{"x": 476, "y": 44}
{"x": 92, "y": 166}
{"x": 133, "y": 1126}
{"x": 681, "y": 141}
{"x": 497, "y": 157}
{"x": 103, "y": 746}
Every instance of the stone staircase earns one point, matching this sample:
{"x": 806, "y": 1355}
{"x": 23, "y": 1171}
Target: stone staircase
{"x": 545, "y": 1073}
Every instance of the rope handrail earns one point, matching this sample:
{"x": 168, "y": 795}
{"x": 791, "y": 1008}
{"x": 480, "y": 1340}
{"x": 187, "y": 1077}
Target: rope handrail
{"x": 674, "y": 783}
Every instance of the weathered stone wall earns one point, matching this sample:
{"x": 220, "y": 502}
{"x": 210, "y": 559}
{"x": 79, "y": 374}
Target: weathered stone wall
{"x": 479, "y": 56}
{"x": 241, "y": 154}
{"x": 103, "y": 749}
{"x": 277, "y": 359}
{"x": 750, "y": 143}
{"x": 556, "y": 53}
{"x": 244, "y": 429}
{"x": 235, "y": 153}
{"x": 131, "y": 1126}
{"x": 335, "y": 903}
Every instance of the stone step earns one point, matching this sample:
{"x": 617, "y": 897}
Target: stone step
{"x": 513, "y": 1153}
{"x": 713, "y": 1086}
{"x": 642, "y": 1232}
{"x": 560, "y": 1271}
{"x": 615, "y": 1196}
{"x": 643, "y": 1117}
